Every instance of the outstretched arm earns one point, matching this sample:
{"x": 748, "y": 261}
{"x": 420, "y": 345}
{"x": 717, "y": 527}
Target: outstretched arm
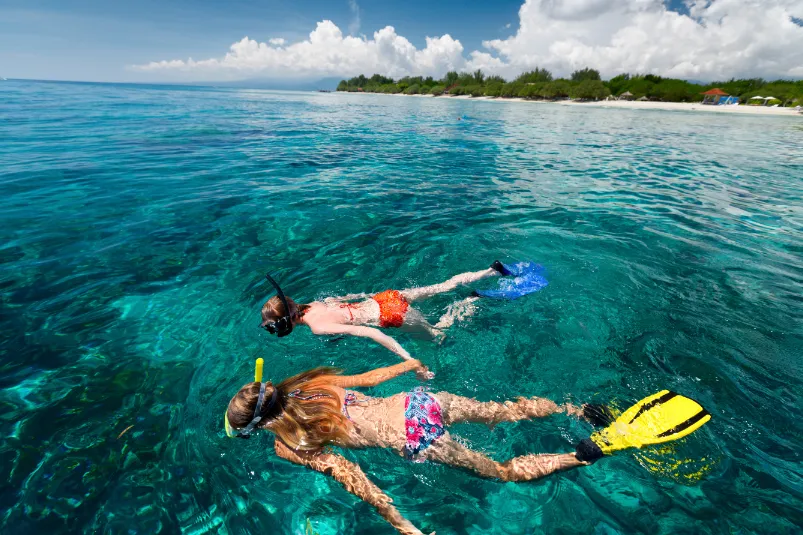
{"x": 380, "y": 375}
{"x": 367, "y": 332}
{"x": 354, "y": 480}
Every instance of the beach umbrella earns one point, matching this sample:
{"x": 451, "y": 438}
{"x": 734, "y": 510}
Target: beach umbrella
{"x": 769, "y": 98}
{"x": 757, "y": 97}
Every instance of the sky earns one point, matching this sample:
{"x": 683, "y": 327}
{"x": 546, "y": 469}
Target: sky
{"x": 219, "y": 41}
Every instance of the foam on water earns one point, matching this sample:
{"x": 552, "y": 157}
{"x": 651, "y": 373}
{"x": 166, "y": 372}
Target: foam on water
{"x": 137, "y": 222}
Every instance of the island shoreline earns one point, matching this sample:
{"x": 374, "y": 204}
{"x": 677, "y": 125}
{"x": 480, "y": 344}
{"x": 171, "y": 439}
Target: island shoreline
{"x": 620, "y": 104}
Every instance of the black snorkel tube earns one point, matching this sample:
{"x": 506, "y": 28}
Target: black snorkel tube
{"x": 284, "y": 325}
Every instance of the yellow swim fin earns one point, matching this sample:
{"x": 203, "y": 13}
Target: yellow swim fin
{"x": 659, "y": 418}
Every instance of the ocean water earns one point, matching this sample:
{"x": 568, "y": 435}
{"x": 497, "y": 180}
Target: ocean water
{"x": 137, "y": 223}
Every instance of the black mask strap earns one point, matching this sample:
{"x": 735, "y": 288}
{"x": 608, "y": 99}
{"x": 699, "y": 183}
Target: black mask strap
{"x": 246, "y": 432}
{"x": 284, "y": 325}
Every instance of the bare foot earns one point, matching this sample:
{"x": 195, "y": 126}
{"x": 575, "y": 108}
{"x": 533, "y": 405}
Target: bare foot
{"x": 573, "y": 410}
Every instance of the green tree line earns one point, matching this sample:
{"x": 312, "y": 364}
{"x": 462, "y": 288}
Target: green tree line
{"x": 583, "y": 84}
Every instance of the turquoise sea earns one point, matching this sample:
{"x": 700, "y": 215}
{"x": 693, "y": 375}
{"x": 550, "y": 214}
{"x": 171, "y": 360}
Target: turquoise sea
{"x": 137, "y": 223}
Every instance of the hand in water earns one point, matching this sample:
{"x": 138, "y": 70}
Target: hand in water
{"x": 424, "y": 374}
{"x": 438, "y": 336}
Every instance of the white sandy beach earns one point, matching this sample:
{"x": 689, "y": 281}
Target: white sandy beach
{"x": 635, "y": 105}
{"x": 684, "y": 106}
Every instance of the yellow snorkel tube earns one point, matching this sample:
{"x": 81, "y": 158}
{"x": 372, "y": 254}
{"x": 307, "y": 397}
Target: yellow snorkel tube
{"x": 258, "y": 370}
{"x": 230, "y": 431}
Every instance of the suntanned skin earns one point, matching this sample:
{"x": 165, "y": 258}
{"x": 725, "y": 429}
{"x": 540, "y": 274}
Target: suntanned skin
{"x": 379, "y": 422}
{"x": 336, "y": 315}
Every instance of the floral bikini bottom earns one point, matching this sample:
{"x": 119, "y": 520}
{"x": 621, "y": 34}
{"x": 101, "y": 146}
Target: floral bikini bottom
{"x": 422, "y": 420}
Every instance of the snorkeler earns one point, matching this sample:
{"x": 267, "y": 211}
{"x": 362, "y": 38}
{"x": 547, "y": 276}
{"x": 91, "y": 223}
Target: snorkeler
{"x": 314, "y": 409}
{"x": 391, "y": 308}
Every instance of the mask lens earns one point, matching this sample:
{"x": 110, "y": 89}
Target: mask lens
{"x": 284, "y": 326}
{"x": 269, "y": 326}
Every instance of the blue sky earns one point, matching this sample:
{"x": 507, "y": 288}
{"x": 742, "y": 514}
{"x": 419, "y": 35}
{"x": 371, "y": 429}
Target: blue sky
{"x": 96, "y": 39}
{"x": 102, "y": 39}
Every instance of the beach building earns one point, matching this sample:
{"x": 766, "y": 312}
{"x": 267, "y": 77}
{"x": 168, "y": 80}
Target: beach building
{"x": 627, "y": 95}
{"x": 713, "y": 96}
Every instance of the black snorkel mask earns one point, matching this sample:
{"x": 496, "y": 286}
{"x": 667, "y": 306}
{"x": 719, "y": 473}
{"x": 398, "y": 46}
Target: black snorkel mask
{"x": 284, "y": 325}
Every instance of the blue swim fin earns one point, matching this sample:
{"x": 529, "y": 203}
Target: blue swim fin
{"x": 527, "y": 277}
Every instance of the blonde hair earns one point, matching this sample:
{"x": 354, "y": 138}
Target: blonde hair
{"x": 307, "y": 414}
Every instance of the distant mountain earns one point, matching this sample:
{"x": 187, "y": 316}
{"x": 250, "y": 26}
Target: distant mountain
{"x": 286, "y": 85}
{"x": 281, "y": 85}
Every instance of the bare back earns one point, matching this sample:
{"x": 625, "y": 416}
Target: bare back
{"x": 321, "y": 315}
{"x": 377, "y": 422}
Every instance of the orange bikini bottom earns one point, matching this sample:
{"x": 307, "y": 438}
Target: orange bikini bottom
{"x": 392, "y": 308}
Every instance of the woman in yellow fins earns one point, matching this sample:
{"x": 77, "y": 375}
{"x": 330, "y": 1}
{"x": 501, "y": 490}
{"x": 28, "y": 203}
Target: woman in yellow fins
{"x": 318, "y": 408}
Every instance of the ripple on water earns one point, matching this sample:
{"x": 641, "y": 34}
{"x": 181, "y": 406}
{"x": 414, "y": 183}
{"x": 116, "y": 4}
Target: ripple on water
{"x": 137, "y": 222}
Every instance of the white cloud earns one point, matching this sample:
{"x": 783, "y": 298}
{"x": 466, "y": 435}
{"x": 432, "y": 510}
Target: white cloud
{"x": 327, "y": 52}
{"x": 717, "y": 39}
{"x": 354, "y": 25}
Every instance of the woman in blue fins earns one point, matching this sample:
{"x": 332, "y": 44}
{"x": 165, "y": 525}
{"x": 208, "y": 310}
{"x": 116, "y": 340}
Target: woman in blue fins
{"x": 315, "y": 409}
{"x": 391, "y": 308}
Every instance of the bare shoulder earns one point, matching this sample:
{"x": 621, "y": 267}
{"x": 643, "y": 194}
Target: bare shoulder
{"x": 316, "y": 310}
{"x": 321, "y": 319}
{"x": 340, "y": 391}
{"x": 316, "y": 316}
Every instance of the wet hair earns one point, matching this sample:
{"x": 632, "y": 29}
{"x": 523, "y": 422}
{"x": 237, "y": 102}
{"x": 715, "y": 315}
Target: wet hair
{"x": 307, "y": 414}
{"x": 273, "y": 309}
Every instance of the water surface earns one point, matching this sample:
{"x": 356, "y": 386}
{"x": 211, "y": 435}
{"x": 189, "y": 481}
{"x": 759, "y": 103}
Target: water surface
{"x": 137, "y": 223}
